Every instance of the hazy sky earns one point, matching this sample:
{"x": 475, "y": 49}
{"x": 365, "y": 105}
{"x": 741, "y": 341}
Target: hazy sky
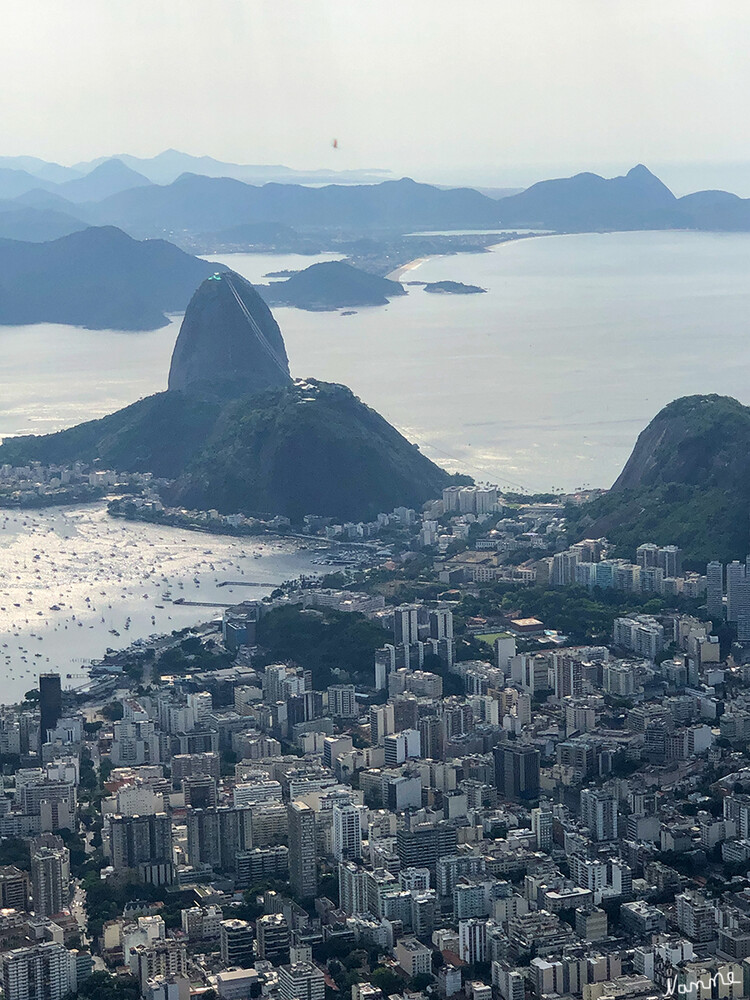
{"x": 441, "y": 89}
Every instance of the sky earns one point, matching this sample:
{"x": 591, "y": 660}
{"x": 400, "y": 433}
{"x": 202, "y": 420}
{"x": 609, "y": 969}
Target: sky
{"x": 496, "y": 92}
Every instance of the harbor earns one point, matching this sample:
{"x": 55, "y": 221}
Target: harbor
{"x": 75, "y": 583}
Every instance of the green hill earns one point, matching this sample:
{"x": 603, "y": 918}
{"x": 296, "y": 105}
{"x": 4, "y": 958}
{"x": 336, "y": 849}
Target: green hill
{"x": 687, "y": 482}
{"x": 311, "y": 448}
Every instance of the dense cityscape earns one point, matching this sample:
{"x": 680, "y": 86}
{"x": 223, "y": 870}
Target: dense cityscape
{"x": 375, "y": 500}
{"x": 398, "y": 779}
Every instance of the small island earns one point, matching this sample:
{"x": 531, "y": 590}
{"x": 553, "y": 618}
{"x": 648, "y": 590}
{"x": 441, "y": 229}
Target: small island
{"x": 452, "y": 288}
{"x": 330, "y": 285}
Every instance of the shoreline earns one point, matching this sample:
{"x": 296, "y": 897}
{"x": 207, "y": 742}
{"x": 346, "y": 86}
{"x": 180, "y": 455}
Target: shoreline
{"x": 411, "y": 265}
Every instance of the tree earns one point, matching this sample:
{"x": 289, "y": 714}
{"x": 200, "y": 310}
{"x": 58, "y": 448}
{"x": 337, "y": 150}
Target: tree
{"x": 386, "y": 981}
{"x": 420, "y": 981}
{"x": 105, "y": 986}
{"x": 15, "y": 851}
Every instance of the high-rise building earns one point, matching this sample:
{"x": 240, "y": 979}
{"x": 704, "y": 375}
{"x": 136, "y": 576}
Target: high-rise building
{"x": 382, "y": 722}
{"x": 303, "y": 873}
{"x": 715, "y": 591}
{"x": 406, "y": 624}
{"x": 143, "y": 843}
{"x": 568, "y": 672}
{"x": 472, "y": 937}
{"x": 201, "y": 704}
{"x": 342, "y": 701}
{"x": 190, "y": 765}
{"x": 517, "y": 771}
{"x": 42, "y": 972}
{"x": 50, "y": 703}
{"x": 347, "y": 832}
{"x": 696, "y": 916}
{"x": 743, "y": 609}
{"x": 441, "y": 624}
{"x": 542, "y": 821}
{"x": 216, "y": 836}
{"x": 423, "y": 844}
{"x": 301, "y": 981}
{"x": 50, "y": 879}
{"x": 736, "y": 573}
{"x": 430, "y": 736}
{"x": 599, "y": 813}
{"x": 669, "y": 558}
{"x": 352, "y": 888}
{"x": 236, "y": 937}
{"x": 646, "y": 555}
{"x": 273, "y": 938}
{"x": 200, "y": 791}
{"x": 14, "y": 888}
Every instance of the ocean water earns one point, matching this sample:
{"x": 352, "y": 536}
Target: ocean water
{"x": 544, "y": 382}
{"x": 74, "y": 581}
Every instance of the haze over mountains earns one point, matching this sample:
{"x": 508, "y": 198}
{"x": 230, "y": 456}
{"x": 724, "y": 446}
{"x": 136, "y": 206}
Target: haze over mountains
{"x": 184, "y": 196}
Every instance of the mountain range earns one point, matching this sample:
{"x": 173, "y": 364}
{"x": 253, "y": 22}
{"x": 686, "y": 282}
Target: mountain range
{"x": 187, "y": 197}
{"x": 639, "y": 200}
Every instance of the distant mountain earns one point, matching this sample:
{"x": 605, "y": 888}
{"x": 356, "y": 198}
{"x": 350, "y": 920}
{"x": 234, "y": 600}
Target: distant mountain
{"x": 638, "y": 200}
{"x": 332, "y": 284}
{"x": 35, "y": 225}
{"x": 42, "y": 169}
{"x": 686, "y": 483}
{"x": 110, "y": 177}
{"x": 203, "y": 204}
{"x": 98, "y": 278}
{"x": 229, "y": 343}
{"x": 169, "y": 165}
{"x": 716, "y": 210}
{"x": 49, "y": 199}
{"x": 16, "y": 182}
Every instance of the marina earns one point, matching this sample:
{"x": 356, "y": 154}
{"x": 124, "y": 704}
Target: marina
{"x": 75, "y": 582}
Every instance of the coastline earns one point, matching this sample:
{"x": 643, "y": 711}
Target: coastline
{"x": 397, "y": 273}
{"x": 411, "y": 265}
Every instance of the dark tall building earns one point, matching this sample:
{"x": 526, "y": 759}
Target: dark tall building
{"x": 50, "y": 703}
{"x": 216, "y": 836}
{"x": 14, "y": 888}
{"x": 143, "y": 843}
{"x": 422, "y": 845}
{"x": 517, "y": 771}
{"x": 303, "y": 871}
{"x": 431, "y": 738}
